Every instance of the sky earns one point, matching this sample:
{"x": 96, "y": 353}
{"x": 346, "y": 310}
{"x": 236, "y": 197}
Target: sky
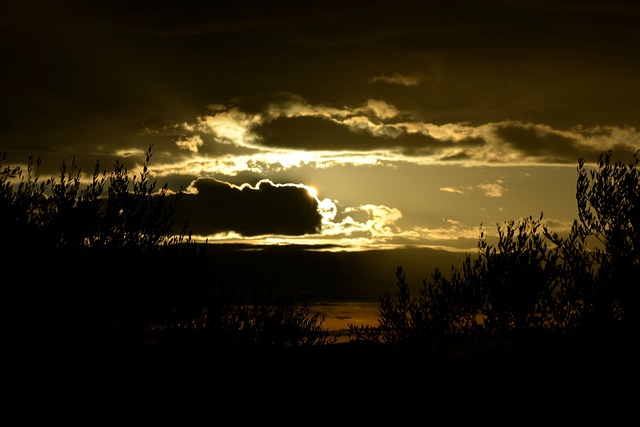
{"x": 337, "y": 125}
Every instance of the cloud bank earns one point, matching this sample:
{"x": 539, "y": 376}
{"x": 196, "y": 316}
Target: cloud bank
{"x": 210, "y": 207}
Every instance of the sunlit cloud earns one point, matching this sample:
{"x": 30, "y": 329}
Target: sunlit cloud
{"x": 456, "y": 190}
{"x": 190, "y": 143}
{"x": 370, "y": 226}
{"x": 367, "y": 220}
{"x": 399, "y": 79}
{"x": 381, "y": 219}
{"x": 260, "y": 164}
{"x": 328, "y": 210}
{"x": 602, "y": 138}
{"x": 130, "y": 152}
{"x": 230, "y": 126}
{"x": 492, "y": 189}
{"x": 297, "y": 106}
{"x": 453, "y": 230}
{"x": 379, "y": 109}
{"x": 376, "y": 132}
{"x": 353, "y": 228}
{"x": 362, "y": 117}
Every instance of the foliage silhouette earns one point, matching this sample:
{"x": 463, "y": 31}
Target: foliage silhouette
{"x": 85, "y": 268}
{"x": 82, "y": 268}
{"x": 609, "y": 209}
{"x": 51, "y": 213}
{"x": 535, "y": 293}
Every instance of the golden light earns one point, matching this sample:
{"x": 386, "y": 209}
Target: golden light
{"x": 312, "y": 191}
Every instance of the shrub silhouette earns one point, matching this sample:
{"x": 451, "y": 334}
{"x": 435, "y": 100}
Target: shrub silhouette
{"x": 535, "y": 292}
{"x": 257, "y": 319}
{"x": 609, "y": 208}
{"x": 81, "y": 267}
{"x": 57, "y": 213}
{"x": 84, "y": 268}
{"x": 496, "y": 302}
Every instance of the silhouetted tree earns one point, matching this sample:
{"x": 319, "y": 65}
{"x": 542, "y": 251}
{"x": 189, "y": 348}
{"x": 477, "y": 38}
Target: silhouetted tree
{"x": 524, "y": 296}
{"x": 57, "y": 213}
{"x": 609, "y": 208}
{"x": 496, "y": 303}
{"x": 82, "y": 267}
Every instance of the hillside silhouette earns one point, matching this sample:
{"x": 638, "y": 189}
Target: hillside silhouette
{"x": 99, "y": 267}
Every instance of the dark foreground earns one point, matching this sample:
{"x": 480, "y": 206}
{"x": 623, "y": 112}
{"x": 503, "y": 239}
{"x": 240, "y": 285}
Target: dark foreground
{"x": 324, "y": 363}
{"x": 351, "y": 382}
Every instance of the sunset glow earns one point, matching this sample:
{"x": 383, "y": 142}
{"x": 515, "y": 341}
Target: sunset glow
{"x": 411, "y": 127}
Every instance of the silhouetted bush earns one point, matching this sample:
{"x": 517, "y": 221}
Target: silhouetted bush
{"x": 233, "y": 318}
{"x": 535, "y": 292}
{"x": 58, "y": 213}
{"x": 495, "y": 303}
{"x": 609, "y": 208}
{"x": 85, "y": 268}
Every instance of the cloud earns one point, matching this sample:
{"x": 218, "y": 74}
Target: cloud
{"x": 366, "y": 221}
{"x": 283, "y": 130}
{"x": 228, "y": 126}
{"x": 380, "y": 220}
{"x": 223, "y": 212}
{"x": 190, "y": 143}
{"x": 540, "y": 141}
{"x": 79, "y": 69}
{"x": 453, "y": 230}
{"x": 398, "y": 79}
{"x": 210, "y": 206}
{"x": 379, "y": 109}
{"x": 313, "y": 133}
{"x": 457, "y": 190}
{"x": 492, "y": 189}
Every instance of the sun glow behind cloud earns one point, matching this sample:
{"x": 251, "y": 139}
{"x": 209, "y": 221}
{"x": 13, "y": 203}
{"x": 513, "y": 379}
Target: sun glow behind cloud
{"x": 230, "y": 141}
{"x": 500, "y": 143}
{"x": 373, "y": 133}
{"x": 412, "y": 89}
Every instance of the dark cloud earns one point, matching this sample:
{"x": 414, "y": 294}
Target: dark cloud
{"x": 421, "y": 145}
{"x": 462, "y": 156}
{"x": 250, "y": 211}
{"x": 311, "y": 133}
{"x": 81, "y": 75}
{"x": 536, "y": 142}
